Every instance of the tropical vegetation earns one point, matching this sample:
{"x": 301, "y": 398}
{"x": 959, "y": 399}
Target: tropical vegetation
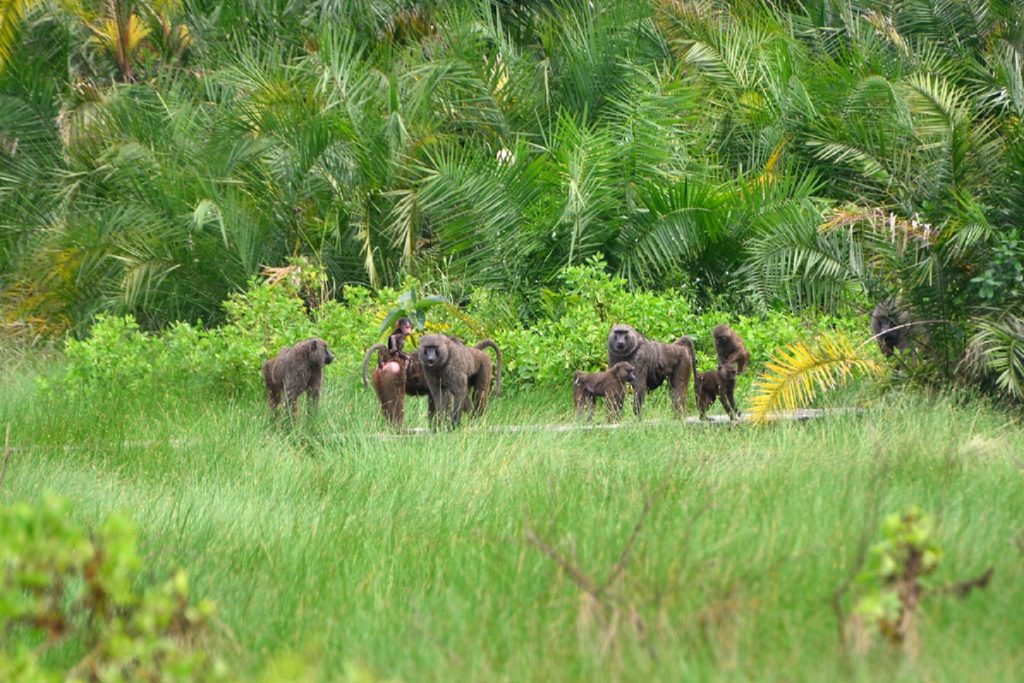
{"x": 158, "y": 155}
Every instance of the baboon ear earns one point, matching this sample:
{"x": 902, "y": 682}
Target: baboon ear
{"x": 313, "y": 348}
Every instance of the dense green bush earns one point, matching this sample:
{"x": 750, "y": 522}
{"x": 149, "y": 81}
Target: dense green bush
{"x": 569, "y": 334}
{"x": 62, "y": 583}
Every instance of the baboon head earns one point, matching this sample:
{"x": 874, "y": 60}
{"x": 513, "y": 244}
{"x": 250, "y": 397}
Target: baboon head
{"x": 623, "y": 340}
{"x": 727, "y": 372}
{"x": 434, "y": 351}
{"x": 318, "y": 352}
{"x": 404, "y": 325}
{"x": 624, "y": 371}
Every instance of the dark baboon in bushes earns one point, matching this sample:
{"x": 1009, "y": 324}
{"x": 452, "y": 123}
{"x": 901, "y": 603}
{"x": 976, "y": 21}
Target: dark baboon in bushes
{"x": 296, "y": 370}
{"x": 887, "y": 315}
{"x": 459, "y": 377}
{"x": 389, "y": 382}
{"x": 653, "y": 363}
{"x": 609, "y": 384}
{"x": 720, "y": 384}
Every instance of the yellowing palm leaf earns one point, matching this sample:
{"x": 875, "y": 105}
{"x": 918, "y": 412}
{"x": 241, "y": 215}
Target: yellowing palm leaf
{"x": 11, "y": 14}
{"x": 795, "y": 375}
{"x": 108, "y": 35}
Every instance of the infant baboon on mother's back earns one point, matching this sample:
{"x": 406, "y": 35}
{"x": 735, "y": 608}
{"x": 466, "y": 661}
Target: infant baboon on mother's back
{"x": 653, "y": 363}
{"x": 610, "y": 384}
{"x": 296, "y": 370}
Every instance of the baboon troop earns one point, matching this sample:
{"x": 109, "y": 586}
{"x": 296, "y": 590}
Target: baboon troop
{"x": 458, "y": 376}
{"x": 609, "y": 384}
{"x": 653, "y": 363}
{"x": 887, "y": 320}
{"x": 296, "y": 370}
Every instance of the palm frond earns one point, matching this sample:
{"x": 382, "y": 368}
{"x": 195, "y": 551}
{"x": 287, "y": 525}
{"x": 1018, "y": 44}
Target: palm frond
{"x": 11, "y": 14}
{"x": 996, "y": 351}
{"x": 797, "y": 373}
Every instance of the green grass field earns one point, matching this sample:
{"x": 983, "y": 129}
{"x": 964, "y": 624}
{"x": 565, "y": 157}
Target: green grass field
{"x": 364, "y": 554}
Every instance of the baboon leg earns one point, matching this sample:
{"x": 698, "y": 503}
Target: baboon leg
{"x": 728, "y": 399}
{"x": 274, "y": 398}
{"x": 458, "y": 400}
{"x": 640, "y": 393}
{"x": 702, "y": 405}
{"x": 481, "y": 387}
{"x": 613, "y": 401}
{"x": 313, "y": 396}
{"x": 678, "y": 386}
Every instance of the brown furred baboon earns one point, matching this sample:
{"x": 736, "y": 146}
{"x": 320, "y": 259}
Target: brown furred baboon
{"x": 714, "y": 384}
{"x": 459, "y": 377}
{"x": 730, "y": 348}
{"x": 296, "y": 370}
{"x": 610, "y": 384}
{"x": 733, "y": 359}
{"x": 653, "y": 363}
{"x": 389, "y": 382}
{"x": 396, "y": 340}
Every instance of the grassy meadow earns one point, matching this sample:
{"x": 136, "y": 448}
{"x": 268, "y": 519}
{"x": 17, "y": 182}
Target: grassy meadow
{"x": 345, "y": 552}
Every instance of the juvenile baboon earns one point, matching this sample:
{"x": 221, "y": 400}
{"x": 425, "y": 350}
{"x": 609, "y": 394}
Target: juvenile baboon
{"x": 889, "y": 314}
{"x": 389, "y": 381}
{"x": 295, "y": 370}
{"x": 733, "y": 359}
{"x": 714, "y": 384}
{"x": 609, "y": 384}
{"x": 653, "y": 363}
{"x": 459, "y": 377}
{"x": 396, "y": 340}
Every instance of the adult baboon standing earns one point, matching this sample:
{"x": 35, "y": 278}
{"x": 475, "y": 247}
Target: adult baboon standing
{"x": 456, "y": 373}
{"x": 653, "y": 362}
{"x": 294, "y": 371}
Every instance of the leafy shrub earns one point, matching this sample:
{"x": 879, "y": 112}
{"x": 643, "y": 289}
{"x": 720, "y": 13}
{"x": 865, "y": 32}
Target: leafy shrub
{"x": 62, "y": 583}
{"x": 569, "y": 333}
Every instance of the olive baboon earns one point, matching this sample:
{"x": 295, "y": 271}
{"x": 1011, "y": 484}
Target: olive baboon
{"x": 610, "y": 384}
{"x": 730, "y": 348}
{"x": 733, "y": 359}
{"x": 653, "y": 363}
{"x": 456, "y": 373}
{"x": 889, "y": 314}
{"x": 295, "y": 370}
{"x": 396, "y": 340}
{"x": 389, "y": 381}
{"x": 714, "y": 384}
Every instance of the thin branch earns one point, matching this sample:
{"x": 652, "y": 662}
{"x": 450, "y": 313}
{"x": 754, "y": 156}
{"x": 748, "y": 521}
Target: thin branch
{"x": 900, "y": 327}
{"x": 962, "y": 589}
{"x": 578, "y": 577}
{"x": 8, "y": 451}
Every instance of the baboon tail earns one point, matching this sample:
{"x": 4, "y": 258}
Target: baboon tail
{"x": 497, "y": 352}
{"x": 366, "y": 360}
{"x": 688, "y": 343}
